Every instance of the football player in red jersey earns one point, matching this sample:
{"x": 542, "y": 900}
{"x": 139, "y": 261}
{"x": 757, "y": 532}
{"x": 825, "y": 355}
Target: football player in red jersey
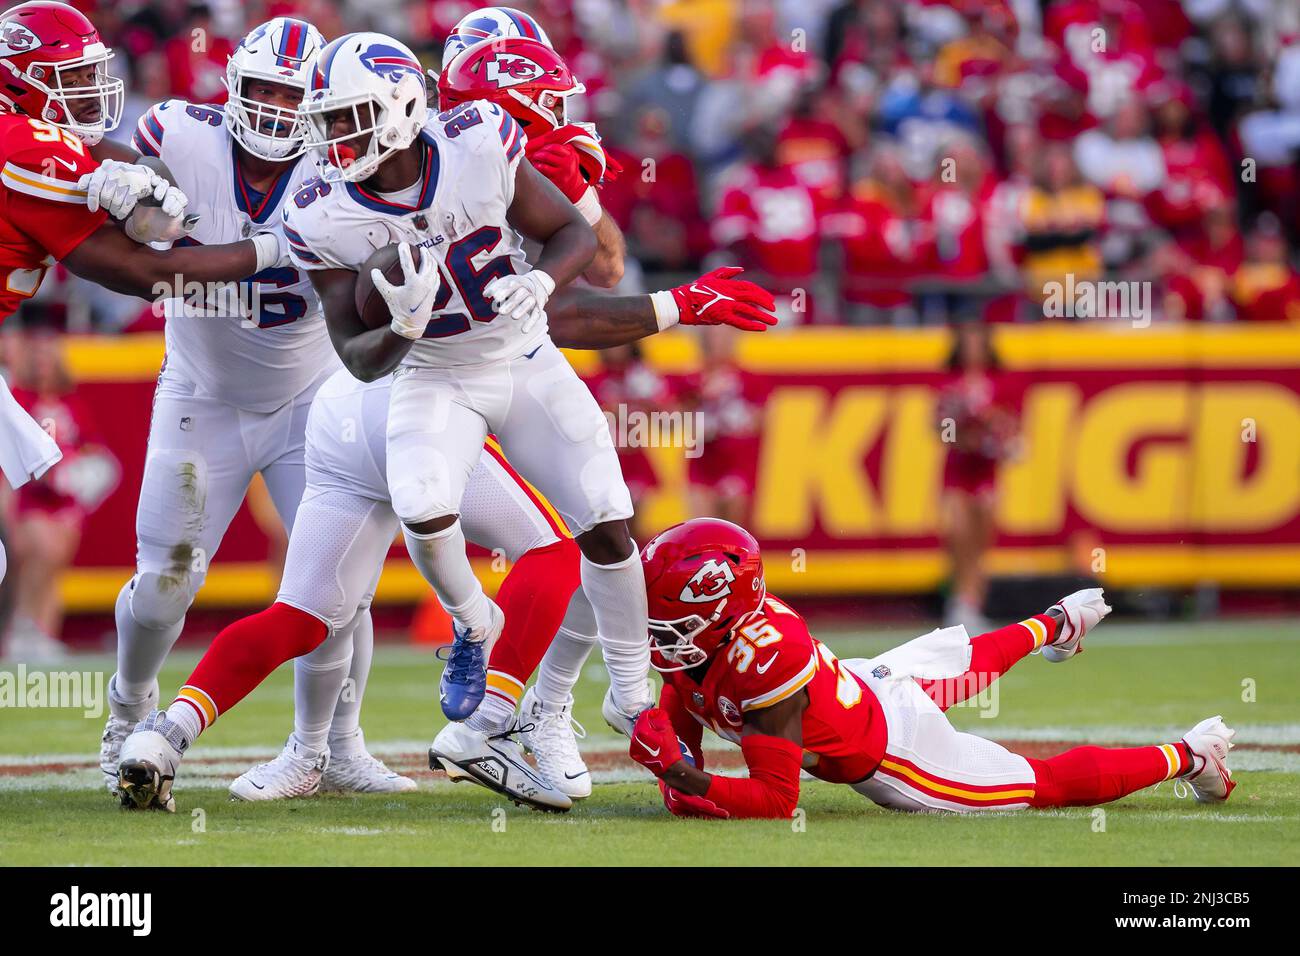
{"x": 56, "y": 103}
{"x": 532, "y": 83}
{"x": 743, "y": 664}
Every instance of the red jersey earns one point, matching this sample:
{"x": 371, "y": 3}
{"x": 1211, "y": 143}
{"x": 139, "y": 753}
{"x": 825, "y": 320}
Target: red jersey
{"x": 767, "y": 661}
{"x": 43, "y": 215}
{"x": 777, "y": 219}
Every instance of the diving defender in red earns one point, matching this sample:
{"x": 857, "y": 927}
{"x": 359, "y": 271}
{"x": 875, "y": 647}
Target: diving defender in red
{"x": 742, "y": 663}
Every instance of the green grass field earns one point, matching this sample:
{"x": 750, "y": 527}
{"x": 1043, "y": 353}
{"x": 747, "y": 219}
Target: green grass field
{"x": 1135, "y": 684}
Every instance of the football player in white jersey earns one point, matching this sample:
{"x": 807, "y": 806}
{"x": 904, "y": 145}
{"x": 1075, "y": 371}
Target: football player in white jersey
{"x": 239, "y": 376}
{"x": 468, "y": 331}
{"x": 340, "y": 538}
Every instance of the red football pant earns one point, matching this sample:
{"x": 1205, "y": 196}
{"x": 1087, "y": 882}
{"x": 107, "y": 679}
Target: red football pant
{"x": 534, "y": 597}
{"x": 245, "y": 653}
{"x": 992, "y": 655}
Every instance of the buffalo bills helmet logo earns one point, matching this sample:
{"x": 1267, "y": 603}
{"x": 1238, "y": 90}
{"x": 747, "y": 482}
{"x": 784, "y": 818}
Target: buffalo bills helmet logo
{"x": 711, "y": 581}
{"x": 509, "y": 69}
{"x": 389, "y": 62}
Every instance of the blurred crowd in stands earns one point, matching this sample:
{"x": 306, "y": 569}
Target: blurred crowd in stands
{"x": 888, "y": 161}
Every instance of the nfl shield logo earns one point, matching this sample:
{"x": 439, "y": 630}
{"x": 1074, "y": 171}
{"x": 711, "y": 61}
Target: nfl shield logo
{"x": 881, "y": 672}
{"x": 697, "y": 698}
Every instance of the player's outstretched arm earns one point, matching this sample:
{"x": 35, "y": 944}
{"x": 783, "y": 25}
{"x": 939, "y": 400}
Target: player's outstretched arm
{"x": 367, "y": 353}
{"x": 541, "y": 213}
{"x": 772, "y": 742}
{"x": 606, "y": 268}
{"x": 582, "y": 319}
{"x": 112, "y": 259}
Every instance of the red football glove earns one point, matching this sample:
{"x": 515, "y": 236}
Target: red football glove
{"x": 558, "y": 162}
{"x": 719, "y": 299}
{"x": 612, "y": 169}
{"x": 684, "y": 805}
{"x": 654, "y": 742}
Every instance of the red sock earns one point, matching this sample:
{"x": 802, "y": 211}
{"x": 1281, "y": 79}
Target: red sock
{"x": 244, "y": 654}
{"x": 992, "y": 655}
{"x": 534, "y": 597}
{"x": 1088, "y": 775}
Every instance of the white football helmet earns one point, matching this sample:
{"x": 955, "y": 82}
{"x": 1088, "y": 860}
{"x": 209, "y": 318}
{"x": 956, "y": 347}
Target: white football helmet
{"x": 491, "y": 22}
{"x": 380, "y": 81}
{"x": 278, "y": 51}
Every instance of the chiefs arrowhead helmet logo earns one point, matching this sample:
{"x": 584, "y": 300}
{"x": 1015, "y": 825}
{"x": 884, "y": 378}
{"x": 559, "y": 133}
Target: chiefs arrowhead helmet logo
{"x": 508, "y": 69}
{"x": 711, "y": 581}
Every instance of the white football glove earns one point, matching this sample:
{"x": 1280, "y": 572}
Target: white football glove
{"x": 117, "y": 187}
{"x": 522, "y": 298}
{"x": 1082, "y": 611}
{"x": 411, "y": 303}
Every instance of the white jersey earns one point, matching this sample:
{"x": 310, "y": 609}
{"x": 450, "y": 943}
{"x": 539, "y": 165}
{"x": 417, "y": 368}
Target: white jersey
{"x": 456, "y": 210}
{"x": 258, "y": 362}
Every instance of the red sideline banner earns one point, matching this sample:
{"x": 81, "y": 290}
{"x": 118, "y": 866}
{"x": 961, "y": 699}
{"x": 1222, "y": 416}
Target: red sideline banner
{"x": 1164, "y": 456}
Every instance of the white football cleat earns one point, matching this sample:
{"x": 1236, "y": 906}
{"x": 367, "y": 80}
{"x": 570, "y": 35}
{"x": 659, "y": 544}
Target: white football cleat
{"x": 549, "y": 732}
{"x": 1209, "y": 741}
{"x": 1078, "y": 613}
{"x": 296, "y": 772}
{"x": 619, "y": 719}
{"x": 352, "y": 769}
{"x": 494, "y": 761}
{"x": 122, "y": 718}
{"x": 150, "y": 756}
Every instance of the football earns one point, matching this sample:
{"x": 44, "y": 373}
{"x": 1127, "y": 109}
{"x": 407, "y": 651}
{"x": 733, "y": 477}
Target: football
{"x": 370, "y": 304}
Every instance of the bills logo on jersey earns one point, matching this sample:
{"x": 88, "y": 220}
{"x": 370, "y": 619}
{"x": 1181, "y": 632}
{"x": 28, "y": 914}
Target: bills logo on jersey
{"x": 508, "y": 69}
{"x": 712, "y": 581}
{"x": 16, "y": 38}
{"x": 389, "y": 62}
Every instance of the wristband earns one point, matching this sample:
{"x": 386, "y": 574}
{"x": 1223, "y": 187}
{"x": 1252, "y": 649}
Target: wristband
{"x": 267, "y": 245}
{"x": 667, "y": 314}
{"x": 589, "y": 206}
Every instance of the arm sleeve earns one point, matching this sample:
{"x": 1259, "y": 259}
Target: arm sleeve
{"x": 42, "y": 197}
{"x": 771, "y": 791}
{"x": 689, "y": 730}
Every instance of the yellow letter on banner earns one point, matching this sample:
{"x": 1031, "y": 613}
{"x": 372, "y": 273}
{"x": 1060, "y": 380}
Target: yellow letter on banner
{"x": 912, "y": 463}
{"x": 1156, "y": 496}
{"x": 1226, "y": 499}
{"x": 1033, "y": 488}
{"x": 812, "y": 462}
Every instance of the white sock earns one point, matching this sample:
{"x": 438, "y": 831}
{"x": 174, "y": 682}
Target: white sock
{"x": 345, "y": 729}
{"x": 442, "y": 560}
{"x": 617, "y": 596}
{"x": 561, "y": 667}
{"x": 141, "y": 650}
{"x": 187, "y": 718}
{"x": 317, "y": 683}
{"x": 492, "y": 716}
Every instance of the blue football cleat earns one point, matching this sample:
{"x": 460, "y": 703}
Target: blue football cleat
{"x": 464, "y": 679}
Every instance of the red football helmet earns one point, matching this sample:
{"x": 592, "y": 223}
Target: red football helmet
{"x": 525, "y": 77}
{"x": 703, "y": 578}
{"x": 43, "y": 46}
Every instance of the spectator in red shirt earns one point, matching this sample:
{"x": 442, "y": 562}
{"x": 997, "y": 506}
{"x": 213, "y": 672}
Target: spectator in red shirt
{"x": 883, "y": 236}
{"x": 1266, "y": 288}
{"x": 1195, "y": 161}
{"x": 196, "y": 58}
{"x": 771, "y": 221}
{"x": 655, "y": 200}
